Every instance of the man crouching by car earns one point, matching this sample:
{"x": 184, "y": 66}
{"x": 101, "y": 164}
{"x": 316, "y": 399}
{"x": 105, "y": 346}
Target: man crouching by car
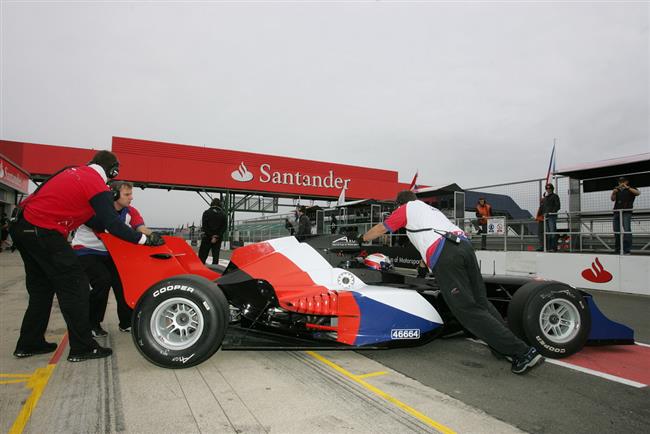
{"x": 61, "y": 204}
{"x": 451, "y": 258}
{"x": 99, "y": 266}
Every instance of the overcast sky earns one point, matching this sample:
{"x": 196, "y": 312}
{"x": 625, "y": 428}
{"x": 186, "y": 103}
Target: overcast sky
{"x": 471, "y": 93}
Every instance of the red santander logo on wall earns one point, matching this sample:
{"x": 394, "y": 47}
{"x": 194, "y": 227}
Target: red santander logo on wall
{"x": 11, "y": 176}
{"x": 597, "y": 273}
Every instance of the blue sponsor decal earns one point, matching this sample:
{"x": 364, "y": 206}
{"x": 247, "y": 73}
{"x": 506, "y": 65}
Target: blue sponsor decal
{"x": 378, "y": 322}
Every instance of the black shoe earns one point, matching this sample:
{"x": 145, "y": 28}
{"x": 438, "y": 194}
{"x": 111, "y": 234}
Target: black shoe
{"x": 126, "y": 329}
{"x": 96, "y": 353}
{"x": 99, "y": 332}
{"x": 500, "y": 356}
{"x": 46, "y": 348}
{"x": 522, "y": 364}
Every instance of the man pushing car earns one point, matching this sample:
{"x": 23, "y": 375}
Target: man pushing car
{"x": 451, "y": 258}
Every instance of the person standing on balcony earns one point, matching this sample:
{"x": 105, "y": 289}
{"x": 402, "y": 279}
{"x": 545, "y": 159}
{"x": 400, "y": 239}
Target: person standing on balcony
{"x": 550, "y": 205}
{"x": 623, "y": 197}
{"x": 483, "y": 212}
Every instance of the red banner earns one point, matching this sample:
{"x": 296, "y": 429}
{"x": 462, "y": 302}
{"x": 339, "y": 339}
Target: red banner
{"x": 12, "y": 176}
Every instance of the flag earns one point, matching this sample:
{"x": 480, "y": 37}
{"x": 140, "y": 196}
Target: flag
{"x": 341, "y": 200}
{"x": 413, "y": 185}
{"x": 551, "y": 164}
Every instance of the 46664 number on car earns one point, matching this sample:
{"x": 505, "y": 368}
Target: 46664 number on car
{"x": 405, "y": 334}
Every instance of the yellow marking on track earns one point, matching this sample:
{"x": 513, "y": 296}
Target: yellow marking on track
{"x": 37, "y": 383}
{"x": 22, "y": 380}
{"x": 410, "y": 410}
{"x": 15, "y": 375}
{"x": 372, "y": 374}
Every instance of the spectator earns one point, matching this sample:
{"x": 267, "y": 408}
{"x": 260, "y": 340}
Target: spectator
{"x": 99, "y": 266}
{"x": 623, "y": 197}
{"x": 214, "y": 226}
{"x": 304, "y": 224}
{"x": 60, "y": 205}
{"x": 334, "y": 225}
{"x": 4, "y": 231}
{"x": 549, "y": 206}
{"x": 483, "y": 212}
{"x": 288, "y": 226}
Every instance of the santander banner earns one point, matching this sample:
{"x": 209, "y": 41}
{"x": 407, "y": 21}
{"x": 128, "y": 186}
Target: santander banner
{"x": 173, "y": 164}
{"x": 13, "y": 177}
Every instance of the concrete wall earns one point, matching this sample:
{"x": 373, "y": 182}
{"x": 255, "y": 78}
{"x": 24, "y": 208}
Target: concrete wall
{"x": 630, "y": 274}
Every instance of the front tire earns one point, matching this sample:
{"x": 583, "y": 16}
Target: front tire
{"x": 180, "y": 322}
{"x": 551, "y": 316}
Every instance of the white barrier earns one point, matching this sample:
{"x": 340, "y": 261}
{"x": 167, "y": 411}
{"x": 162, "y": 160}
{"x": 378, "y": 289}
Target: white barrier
{"x": 630, "y": 274}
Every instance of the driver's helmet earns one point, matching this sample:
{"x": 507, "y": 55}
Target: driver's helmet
{"x": 378, "y": 261}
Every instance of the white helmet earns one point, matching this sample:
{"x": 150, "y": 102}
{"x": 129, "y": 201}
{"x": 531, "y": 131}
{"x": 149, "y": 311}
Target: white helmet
{"x": 378, "y": 261}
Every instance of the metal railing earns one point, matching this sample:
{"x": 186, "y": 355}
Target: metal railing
{"x": 620, "y": 231}
{"x": 591, "y": 231}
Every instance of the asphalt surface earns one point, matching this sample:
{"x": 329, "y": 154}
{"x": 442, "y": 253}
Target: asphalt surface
{"x": 550, "y": 398}
{"x": 455, "y": 381}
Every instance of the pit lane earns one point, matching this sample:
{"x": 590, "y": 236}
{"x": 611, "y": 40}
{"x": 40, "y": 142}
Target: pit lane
{"x": 454, "y": 382}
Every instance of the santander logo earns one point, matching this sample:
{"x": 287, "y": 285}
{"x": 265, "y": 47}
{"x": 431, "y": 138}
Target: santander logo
{"x": 597, "y": 273}
{"x": 242, "y": 174}
{"x": 268, "y": 175}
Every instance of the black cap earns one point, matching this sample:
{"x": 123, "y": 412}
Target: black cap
{"x": 622, "y": 178}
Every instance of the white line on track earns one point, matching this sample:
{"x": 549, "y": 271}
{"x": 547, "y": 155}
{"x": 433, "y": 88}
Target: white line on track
{"x": 586, "y": 370}
{"x": 597, "y": 373}
{"x": 642, "y": 344}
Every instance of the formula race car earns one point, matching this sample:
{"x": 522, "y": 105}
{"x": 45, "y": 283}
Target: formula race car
{"x": 285, "y": 295}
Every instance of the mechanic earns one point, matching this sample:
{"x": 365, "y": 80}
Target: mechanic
{"x": 69, "y": 198}
{"x": 304, "y": 224}
{"x": 449, "y": 255}
{"x": 623, "y": 197}
{"x": 99, "y": 266}
{"x": 214, "y": 223}
{"x": 483, "y": 212}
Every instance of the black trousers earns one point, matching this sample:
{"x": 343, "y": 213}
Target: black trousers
{"x": 462, "y": 287}
{"x": 51, "y": 267}
{"x": 103, "y": 276}
{"x": 205, "y": 248}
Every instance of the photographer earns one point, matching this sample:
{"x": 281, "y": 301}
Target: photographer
{"x": 623, "y": 197}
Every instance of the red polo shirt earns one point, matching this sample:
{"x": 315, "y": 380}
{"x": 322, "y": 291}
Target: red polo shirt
{"x": 63, "y": 203}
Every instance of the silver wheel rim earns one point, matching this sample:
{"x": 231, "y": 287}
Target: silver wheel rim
{"x": 177, "y": 323}
{"x": 559, "y": 320}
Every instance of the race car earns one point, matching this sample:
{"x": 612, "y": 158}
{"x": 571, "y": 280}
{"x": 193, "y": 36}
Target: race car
{"x": 282, "y": 294}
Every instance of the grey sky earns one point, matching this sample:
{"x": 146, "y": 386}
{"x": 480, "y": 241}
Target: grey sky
{"x": 471, "y": 93}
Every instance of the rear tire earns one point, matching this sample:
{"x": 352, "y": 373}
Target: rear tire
{"x": 180, "y": 322}
{"x": 551, "y": 316}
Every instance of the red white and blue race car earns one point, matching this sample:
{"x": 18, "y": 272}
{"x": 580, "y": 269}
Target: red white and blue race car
{"x": 285, "y": 295}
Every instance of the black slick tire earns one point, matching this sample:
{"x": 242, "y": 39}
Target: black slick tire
{"x": 551, "y": 316}
{"x": 180, "y": 322}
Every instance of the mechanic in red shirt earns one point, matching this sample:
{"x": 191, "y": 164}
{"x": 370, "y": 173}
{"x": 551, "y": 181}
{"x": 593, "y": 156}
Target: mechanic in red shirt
{"x": 449, "y": 255}
{"x": 71, "y": 197}
{"x": 99, "y": 265}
